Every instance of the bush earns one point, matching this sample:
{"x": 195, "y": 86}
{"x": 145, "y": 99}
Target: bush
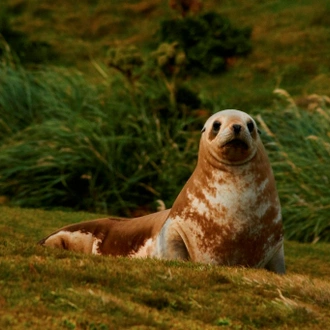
{"x": 27, "y": 51}
{"x": 157, "y": 79}
{"x": 208, "y": 40}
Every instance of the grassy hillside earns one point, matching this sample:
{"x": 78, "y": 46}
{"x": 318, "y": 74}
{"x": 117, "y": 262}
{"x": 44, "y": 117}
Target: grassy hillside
{"x": 75, "y": 133}
{"x": 290, "y": 41}
{"x": 48, "y": 289}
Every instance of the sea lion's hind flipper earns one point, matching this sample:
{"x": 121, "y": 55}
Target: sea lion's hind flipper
{"x": 81, "y": 237}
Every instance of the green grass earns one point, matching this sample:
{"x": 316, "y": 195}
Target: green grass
{"x": 44, "y": 288}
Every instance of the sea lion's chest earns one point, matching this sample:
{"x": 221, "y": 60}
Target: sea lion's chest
{"x": 230, "y": 218}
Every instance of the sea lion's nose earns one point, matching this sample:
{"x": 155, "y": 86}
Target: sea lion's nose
{"x": 237, "y": 128}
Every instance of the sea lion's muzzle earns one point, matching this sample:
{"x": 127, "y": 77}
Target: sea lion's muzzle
{"x": 237, "y": 143}
{"x": 237, "y": 128}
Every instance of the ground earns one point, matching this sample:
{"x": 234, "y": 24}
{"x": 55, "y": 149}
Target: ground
{"x": 44, "y": 288}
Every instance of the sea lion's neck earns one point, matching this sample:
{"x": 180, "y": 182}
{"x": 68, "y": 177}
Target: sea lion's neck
{"x": 215, "y": 187}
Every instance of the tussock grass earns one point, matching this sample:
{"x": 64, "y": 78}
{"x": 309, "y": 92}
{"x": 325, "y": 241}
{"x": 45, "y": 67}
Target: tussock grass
{"x": 29, "y": 98}
{"x": 299, "y": 145}
{"x": 44, "y": 288}
{"x": 68, "y": 144}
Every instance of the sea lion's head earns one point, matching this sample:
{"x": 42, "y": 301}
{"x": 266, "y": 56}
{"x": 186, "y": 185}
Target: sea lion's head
{"x": 230, "y": 137}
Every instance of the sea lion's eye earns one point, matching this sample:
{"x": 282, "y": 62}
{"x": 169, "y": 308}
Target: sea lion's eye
{"x": 216, "y": 127}
{"x": 250, "y": 126}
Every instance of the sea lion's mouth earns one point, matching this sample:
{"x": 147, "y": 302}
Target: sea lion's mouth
{"x": 236, "y": 143}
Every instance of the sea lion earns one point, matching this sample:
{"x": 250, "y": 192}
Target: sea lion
{"x": 228, "y": 212}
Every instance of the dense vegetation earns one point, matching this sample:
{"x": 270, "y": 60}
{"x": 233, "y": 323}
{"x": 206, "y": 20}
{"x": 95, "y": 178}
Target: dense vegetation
{"x": 119, "y": 138}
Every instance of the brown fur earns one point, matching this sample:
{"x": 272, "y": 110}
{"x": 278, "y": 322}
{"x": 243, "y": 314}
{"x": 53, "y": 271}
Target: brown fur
{"x": 119, "y": 237}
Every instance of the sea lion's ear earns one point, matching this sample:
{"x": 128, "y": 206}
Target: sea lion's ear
{"x": 203, "y": 129}
{"x": 259, "y": 131}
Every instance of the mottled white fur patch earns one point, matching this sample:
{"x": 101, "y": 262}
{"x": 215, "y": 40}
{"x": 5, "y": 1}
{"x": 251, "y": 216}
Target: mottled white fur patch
{"x": 95, "y": 247}
{"x": 198, "y": 205}
{"x": 235, "y": 198}
{"x": 263, "y": 185}
{"x": 145, "y": 250}
{"x": 240, "y": 203}
{"x": 278, "y": 216}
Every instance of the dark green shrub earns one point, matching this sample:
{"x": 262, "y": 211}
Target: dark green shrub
{"x": 159, "y": 79}
{"x": 27, "y": 51}
{"x": 207, "y": 40}
{"x": 127, "y": 60}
